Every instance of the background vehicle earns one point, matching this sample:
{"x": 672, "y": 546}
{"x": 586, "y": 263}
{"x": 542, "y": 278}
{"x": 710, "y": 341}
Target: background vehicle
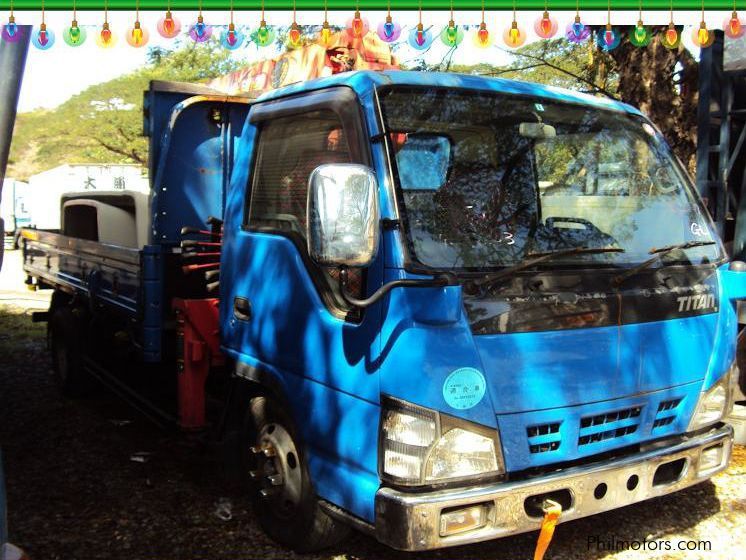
{"x": 424, "y": 304}
{"x": 14, "y": 208}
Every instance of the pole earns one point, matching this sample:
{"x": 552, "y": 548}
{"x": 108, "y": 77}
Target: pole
{"x": 12, "y": 63}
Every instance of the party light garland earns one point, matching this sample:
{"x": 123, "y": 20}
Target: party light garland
{"x": 357, "y": 27}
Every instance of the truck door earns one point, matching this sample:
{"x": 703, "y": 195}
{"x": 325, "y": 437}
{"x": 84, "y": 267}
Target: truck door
{"x": 283, "y": 318}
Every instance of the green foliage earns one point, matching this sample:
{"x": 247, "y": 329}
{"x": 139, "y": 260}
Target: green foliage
{"x": 103, "y": 124}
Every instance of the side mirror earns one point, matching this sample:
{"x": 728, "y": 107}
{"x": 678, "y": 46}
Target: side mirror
{"x": 343, "y": 215}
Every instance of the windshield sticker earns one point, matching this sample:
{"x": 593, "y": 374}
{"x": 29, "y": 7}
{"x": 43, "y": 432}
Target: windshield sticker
{"x": 697, "y": 229}
{"x": 464, "y": 388}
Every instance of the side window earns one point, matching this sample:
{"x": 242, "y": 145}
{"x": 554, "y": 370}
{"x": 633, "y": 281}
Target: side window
{"x": 290, "y": 148}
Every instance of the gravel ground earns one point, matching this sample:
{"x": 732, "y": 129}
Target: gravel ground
{"x": 75, "y": 492}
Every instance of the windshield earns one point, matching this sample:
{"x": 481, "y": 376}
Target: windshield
{"x": 487, "y": 180}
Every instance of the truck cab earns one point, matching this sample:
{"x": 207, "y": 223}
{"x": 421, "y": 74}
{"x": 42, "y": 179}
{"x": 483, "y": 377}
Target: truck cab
{"x": 566, "y": 328}
{"x": 444, "y": 301}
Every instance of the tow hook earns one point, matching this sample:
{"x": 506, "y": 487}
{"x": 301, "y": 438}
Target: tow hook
{"x": 552, "y": 511}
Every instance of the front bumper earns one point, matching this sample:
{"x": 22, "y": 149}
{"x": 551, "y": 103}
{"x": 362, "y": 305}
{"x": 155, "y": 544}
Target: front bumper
{"x": 411, "y": 521}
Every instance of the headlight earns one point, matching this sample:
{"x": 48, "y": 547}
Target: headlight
{"x": 716, "y": 403}
{"x": 419, "y": 446}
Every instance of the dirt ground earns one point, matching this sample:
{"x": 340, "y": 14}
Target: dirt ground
{"x": 92, "y": 479}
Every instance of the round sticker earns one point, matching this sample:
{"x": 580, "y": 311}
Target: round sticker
{"x": 464, "y": 388}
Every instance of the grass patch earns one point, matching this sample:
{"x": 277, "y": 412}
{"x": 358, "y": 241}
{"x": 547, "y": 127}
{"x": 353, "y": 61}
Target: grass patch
{"x": 17, "y": 331}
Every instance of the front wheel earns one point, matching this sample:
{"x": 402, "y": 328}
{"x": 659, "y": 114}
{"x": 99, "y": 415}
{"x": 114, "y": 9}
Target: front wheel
{"x": 283, "y": 495}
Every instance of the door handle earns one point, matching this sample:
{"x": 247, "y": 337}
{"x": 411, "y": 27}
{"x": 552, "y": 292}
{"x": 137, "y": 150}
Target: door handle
{"x": 241, "y": 308}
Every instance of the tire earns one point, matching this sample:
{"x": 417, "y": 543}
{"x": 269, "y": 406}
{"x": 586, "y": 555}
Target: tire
{"x": 289, "y": 512}
{"x": 67, "y": 355}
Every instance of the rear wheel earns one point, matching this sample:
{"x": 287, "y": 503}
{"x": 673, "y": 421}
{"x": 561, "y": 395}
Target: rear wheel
{"x": 67, "y": 356}
{"x": 281, "y": 488}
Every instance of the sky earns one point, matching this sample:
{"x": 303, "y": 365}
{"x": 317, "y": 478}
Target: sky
{"x": 54, "y": 75}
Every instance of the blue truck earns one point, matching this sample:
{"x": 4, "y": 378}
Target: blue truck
{"x": 421, "y": 305}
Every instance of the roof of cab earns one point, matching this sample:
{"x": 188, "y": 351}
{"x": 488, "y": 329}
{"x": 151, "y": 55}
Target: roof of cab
{"x": 365, "y": 80}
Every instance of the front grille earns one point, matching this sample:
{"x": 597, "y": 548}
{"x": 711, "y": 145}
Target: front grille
{"x": 544, "y": 437}
{"x": 609, "y": 425}
{"x": 666, "y": 414}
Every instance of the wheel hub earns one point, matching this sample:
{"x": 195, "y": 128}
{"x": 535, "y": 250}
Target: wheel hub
{"x": 278, "y": 470}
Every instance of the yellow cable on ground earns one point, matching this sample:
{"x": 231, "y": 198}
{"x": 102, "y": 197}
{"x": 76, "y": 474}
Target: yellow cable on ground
{"x": 552, "y": 511}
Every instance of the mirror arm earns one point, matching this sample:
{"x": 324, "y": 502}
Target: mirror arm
{"x": 439, "y": 281}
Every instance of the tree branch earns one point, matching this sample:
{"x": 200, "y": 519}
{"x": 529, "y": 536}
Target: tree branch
{"x": 553, "y": 66}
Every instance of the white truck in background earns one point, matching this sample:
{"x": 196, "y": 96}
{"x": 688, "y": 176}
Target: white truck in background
{"x": 48, "y": 188}
{"x": 14, "y": 209}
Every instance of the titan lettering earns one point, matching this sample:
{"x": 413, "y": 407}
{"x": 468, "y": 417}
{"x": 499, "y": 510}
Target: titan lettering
{"x": 696, "y": 302}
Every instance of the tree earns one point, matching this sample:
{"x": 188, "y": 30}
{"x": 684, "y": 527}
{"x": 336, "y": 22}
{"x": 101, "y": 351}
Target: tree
{"x": 103, "y": 124}
{"x": 663, "y": 84}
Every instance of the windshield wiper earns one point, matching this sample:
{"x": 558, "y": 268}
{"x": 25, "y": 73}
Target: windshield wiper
{"x": 658, "y": 253}
{"x": 538, "y": 258}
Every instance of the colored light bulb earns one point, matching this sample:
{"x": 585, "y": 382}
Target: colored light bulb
{"x": 513, "y": 36}
{"x": 452, "y": 33}
{"x": 577, "y": 27}
{"x": 576, "y": 32}
{"x": 357, "y": 26}
{"x": 232, "y": 38}
{"x": 168, "y": 26}
{"x": 388, "y": 31}
{"x": 264, "y": 35}
{"x": 420, "y": 38}
{"x": 42, "y": 38}
{"x": 672, "y": 35}
{"x": 325, "y": 35}
{"x": 74, "y": 35}
{"x": 640, "y": 35}
{"x": 546, "y": 23}
{"x": 734, "y": 27}
{"x": 609, "y": 36}
{"x": 640, "y": 32}
{"x": 294, "y": 36}
{"x": 137, "y": 36}
{"x": 703, "y": 35}
{"x": 200, "y": 32}
{"x": 11, "y": 28}
{"x": 10, "y": 31}
{"x": 546, "y": 26}
{"x": 514, "y": 33}
{"x": 105, "y": 38}
{"x": 483, "y": 39}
